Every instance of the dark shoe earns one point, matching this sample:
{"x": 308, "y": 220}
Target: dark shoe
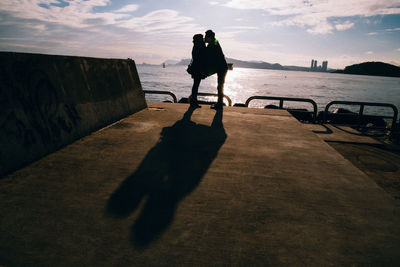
{"x": 217, "y": 106}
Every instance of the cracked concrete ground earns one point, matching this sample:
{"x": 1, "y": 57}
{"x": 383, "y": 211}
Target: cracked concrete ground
{"x": 172, "y": 186}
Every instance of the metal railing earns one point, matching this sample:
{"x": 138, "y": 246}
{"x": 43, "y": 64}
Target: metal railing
{"x": 289, "y": 99}
{"x": 312, "y": 102}
{"x": 176, "y": 100}
{"x": 161, "y": 93}
{"x": 361, "y": 110}
{"x": 210, "y": 94}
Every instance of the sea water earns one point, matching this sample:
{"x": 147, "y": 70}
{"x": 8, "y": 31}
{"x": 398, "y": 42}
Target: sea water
{"x": 242, "y": 83}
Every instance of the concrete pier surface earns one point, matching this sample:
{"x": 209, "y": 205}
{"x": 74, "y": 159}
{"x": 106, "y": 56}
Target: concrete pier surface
{"x": 172, "y": 186}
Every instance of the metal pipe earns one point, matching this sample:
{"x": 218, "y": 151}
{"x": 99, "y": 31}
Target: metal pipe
{"x": 161, "y": 93}
{"x": 282, "y": 99}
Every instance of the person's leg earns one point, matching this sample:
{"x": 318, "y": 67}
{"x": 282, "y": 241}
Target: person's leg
{"x": 195, "y": 90}
{"x": 220, "y": 87}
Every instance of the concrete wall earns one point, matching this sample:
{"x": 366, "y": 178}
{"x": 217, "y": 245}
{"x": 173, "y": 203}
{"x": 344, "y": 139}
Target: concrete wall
{"x": 47, "y": 102}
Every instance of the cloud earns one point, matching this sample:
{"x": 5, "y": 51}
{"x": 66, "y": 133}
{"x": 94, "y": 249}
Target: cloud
{"x": 92, "y": 28}
{"x": 233, "y": 47}
{"x": 345, "y": 26}
{"x": 398, "y": 49}
{"x": 244, "y": 28}
{"x": 25, "y": 46}
{"x": 369, "y": 52}
{"x": 388, "y": 31}
{"x": 213, "y": 3}
{"x": 82, "y": 14}
{"x": 75, "y": 14}
{"x": 161, "y": 21}
{"x": 392, "y": 30}
{"x": 316, "y": 15}
{"x": 127, "y": 9}
{"x": 374, "y": 21}
{"x": 321, "y": 28}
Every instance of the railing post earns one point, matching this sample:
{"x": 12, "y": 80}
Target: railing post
{"x": 362, "y": 104}
{"x": 394, "y": 120}
{"x": 360, "y": 114}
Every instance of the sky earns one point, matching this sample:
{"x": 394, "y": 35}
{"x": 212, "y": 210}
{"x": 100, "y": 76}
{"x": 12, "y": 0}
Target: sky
{"x": 288, "y": 32}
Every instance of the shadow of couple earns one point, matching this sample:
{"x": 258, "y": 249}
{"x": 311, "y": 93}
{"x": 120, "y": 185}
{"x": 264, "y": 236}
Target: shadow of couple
{"x": 171, "y": 170}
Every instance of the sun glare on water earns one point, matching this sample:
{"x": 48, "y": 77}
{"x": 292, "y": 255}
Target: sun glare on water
{"x": 234, "y": 83}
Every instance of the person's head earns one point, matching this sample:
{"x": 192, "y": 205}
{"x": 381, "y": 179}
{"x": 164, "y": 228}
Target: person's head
{"x": 198, "y": 39}
{"x": 210, "y": 36}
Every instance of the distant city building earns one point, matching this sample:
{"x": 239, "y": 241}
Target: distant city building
{"x": 315, "y": 67}
{"x": 325, "y": 66}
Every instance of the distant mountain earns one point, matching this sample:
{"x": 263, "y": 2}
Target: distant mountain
{"x": 146, "y": 64}
{"x": 255, "y": 64}
{"x": 248, "y": 64}
{"x": 297, "y": 68}
{"x": 185, "y": 61}
{"x": 170, "y": 62}
{"x": 373, "y": 68}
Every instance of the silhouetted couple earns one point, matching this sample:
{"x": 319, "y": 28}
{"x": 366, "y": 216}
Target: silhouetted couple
{"x": 206, "y": 61}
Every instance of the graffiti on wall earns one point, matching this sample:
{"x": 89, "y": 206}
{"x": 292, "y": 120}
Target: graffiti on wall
{"x": 32, "y": 110}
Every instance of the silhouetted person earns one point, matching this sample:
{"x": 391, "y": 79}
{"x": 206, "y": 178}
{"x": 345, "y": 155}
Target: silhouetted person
{"x": 216, "y": 63}
{"x": 198, "y": 66}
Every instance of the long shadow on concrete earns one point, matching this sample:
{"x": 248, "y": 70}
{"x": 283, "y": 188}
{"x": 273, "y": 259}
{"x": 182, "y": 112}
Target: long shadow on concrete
{"x": 170, "y": 171}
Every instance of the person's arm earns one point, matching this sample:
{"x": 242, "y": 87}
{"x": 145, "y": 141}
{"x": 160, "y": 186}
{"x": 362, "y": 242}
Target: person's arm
{"x": 218, "y": 48}
{"x": 221, "y": 57}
